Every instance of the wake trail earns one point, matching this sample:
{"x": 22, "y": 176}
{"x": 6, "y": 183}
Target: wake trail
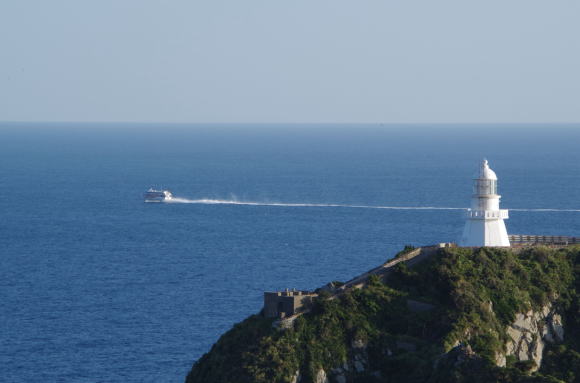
{"x": 547, "y": 210}
{"x": 206, "y": 201}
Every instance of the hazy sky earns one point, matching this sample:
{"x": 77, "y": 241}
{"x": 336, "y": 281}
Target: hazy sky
{"x": 290, "y": 60}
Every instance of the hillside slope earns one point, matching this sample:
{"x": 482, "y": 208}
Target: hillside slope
{"x": 462, "y": 315}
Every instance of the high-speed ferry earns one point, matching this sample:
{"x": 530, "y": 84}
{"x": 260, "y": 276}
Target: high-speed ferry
{"x": 153, "y": 195}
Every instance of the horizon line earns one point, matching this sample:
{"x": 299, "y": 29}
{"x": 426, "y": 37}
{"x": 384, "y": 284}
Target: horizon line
{"x": 385, "y": 124}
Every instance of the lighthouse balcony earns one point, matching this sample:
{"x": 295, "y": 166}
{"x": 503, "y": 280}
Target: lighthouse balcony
{"x": 487, "y": 214}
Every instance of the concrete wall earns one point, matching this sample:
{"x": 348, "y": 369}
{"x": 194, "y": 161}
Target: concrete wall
{"x": 282, "y": 304}
{"x": 412, "y": 257}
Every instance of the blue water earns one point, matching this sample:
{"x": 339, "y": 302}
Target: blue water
{"x": 96, "y": 286}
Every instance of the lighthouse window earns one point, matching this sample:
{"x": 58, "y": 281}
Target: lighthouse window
{"x": 493, "y": 187}
{"x": 485, "y": 187}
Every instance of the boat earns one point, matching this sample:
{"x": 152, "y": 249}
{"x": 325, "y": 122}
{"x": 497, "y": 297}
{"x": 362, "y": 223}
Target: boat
{"x": 153, "y": 195}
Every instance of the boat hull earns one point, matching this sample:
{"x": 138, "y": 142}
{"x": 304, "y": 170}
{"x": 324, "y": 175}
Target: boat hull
{"x": 157, "y": 196}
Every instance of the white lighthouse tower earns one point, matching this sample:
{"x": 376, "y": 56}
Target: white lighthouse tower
{"x": 485, "y": 225}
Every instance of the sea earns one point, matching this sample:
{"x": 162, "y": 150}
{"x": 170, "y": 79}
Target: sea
{"x": 98, "y": 286}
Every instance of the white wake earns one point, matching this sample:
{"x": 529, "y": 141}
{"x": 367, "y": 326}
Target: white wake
{"x": 542, "y": 210}
{"x": 208, "y": 201}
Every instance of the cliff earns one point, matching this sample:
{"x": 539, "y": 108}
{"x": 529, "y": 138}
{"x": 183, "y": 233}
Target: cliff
{"x": 459, "y": 315}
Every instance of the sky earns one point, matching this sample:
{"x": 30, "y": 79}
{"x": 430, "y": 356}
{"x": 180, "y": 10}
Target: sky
{"x": 290, "y": 61}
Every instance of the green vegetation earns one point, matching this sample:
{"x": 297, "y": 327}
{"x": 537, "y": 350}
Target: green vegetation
{"x": 475, "y": 294}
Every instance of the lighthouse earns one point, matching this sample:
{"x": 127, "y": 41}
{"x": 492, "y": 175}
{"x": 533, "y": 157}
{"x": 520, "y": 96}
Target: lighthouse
{"x": 485, "y": 220}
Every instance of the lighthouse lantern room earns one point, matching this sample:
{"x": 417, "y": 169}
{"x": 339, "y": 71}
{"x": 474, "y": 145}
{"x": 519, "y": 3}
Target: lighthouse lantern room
{"x": 485, "y": 220}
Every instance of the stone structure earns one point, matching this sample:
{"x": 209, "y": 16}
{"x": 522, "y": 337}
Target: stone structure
{"x": 282, "y": 304}
{"x": 485, "y": 225}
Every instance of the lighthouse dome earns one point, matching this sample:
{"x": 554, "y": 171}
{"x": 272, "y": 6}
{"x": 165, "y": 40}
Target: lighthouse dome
{"x": 485, "y": 172}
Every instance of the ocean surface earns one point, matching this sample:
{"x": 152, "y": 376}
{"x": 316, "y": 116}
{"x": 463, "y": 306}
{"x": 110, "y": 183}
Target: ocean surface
{"x": 97, "y": 286}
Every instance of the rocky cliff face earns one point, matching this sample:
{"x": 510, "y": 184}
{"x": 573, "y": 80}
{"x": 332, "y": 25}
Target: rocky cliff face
{"x": 528, "y": 336}
{"x": 463, "y": 315}
{"x": 530, "y": 333}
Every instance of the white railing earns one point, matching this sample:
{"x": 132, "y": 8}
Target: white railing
{"x": 545, "y": 239}
{"x": 487, "y": 214}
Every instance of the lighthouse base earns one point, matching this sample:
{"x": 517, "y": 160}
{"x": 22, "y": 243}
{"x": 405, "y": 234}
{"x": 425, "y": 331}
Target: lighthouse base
{"x": 484, "y": 232}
